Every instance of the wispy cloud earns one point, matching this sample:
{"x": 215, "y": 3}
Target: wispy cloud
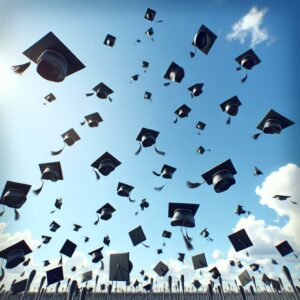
{"x": 250, "y": 27}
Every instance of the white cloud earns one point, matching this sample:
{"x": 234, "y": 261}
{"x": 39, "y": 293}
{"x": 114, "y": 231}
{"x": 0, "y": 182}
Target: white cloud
{"x": 250, "y": 25}
{"x": 217, "y": 254}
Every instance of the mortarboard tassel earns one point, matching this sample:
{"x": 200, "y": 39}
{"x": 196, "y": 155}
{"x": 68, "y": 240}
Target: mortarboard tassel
{"x": 187, "y": 240}
{"x": 52, "y": 211}
{"x": 192, "y": 96}
{"x": 60, "y": 260}
{"x": 159, "y": 151}
{"x": 193, "y": 185}
{"x": 89, "y": 94}
{"x": 156, "y": 174}
{"x": 192, "y": 54}
{"x": 238, "y": 69}
{"x": 176, "y": 120}
{"x": 82, "y": 123}
{"x": 37, "y": 191}
{"x": 58, "y": 151}
{"x": 97, "y": 174}
{"x": 17, "y": 215}
{"x": 2, "y": 272}
{"x": 167, "y": 83}
{"x": 97, "y": 221}
{"x": 109, "y": 98}
{"x": 256, "y": 135}
{"x": 159, "y": 188}
{"x": 159, "y": 21}
{"x": 131, "y": 200}
{"x": 20, "y": 69}
{"x": 228, "y": 121}
{"x": 244, "y": 78}
{"x": 294, "y": 202}
{"x": 146, "y": 246}
{"x": 138, "y": 150}
{"x": 3, "y": 211}
{"x": 152, "y": 39}
{"x": 101, "y": 265}
{"x": 138, "y": 41}
{"x": 136, "y": 213}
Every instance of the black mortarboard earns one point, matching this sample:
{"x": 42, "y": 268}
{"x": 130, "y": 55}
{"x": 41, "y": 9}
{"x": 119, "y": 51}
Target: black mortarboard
{"x": 239, "y": 264}
{"x": 276, "y": 284}
{"x": 137, "y": 236}
{"x": 199, "y": 261}
{"x": 254, "y": 267}
{"x": 142, "y": 272}
{"x": 215, "y": 273}
{"x": 93, "y": 120}
{"x": 204, "y": 39}
{"x": 248, "y": 59}
{"x": 166, "y": 234}
{"x": 174, "y": 73}
{"x": 240, "y": 240}
{"x": 181, "y": 257}
{"x": 109, "y": 40}
{"x": 68, "y": 248}
{"x": 150, "y": 14}
{"x": 106, "y": 240}
{"x": 105, "y": 164}
{"x": 136, "y": 283}
{"x": 103, "y": 91}
{"x": 161, "y": 269}
{"x": 105, "y": 212}
{"x": 147, "y": 137}
{"x": 166, "y": 172}
{"x": 244, "y": 278}
{"x": 182, "y": 214}
{"x": 159, "y": 251}
{"x": 50, "y": 97}
{"x": 46, "y": 239}
{"x": 87, "y": 276}
{"x": 46, "y": 263}
{"x": 54, "y": 60}
{"x": 149, "y": 31}
{"x": 55, "y": 275}
{"x": 119, "y": 267}
{"x": 54, "y": 226}
{"x": 182, "y": 111}
{"x": 50, "y": 171}
{"x": 239, "y": 210}
{"x": 196, "y": 89}
{"x": 284, "y": 248}
{"x": 147, "y": 96}
{"x": 200, "y": 150}
{"x": 124, "y": 190}
{"x": 76, "y": 227}
{"x": 15, "y": 254}
{"x": 266, "y": 280}
{"x": 135, "y": 77}
{"x": 221, "y": 176}
{"x": 145, "y": 64}
{"x": 281, "y": 197}
{"x": 200, "y": 125}
{"x": 232, "y": 263}
{"x": 231, "y": 106}
{"x": 97, "y": 255}
{"x": 196, "y": 284}
{"x": 69, "y": 138}
{"x": 18, "y": 287}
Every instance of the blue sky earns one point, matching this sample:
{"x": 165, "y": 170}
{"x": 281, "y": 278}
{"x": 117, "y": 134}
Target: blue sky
{"x": 30, "y": 130}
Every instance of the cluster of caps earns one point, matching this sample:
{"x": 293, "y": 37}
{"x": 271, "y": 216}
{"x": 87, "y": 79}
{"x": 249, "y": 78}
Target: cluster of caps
{"x": 55, "y": 62}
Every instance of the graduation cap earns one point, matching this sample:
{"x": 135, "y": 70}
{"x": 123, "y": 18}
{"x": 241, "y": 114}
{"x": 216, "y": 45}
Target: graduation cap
{"x": 203, "y": 40}
{"x": 166, "y": 172}
{"x": 240, "y": 240}
{"x": 124, "y": 190}
{"x": 200, "y": 125}
{"x": 147, "y": 287}
{"x": 254, "y": 267}
{"x": 102, "y": 91}
{"x": 14, "y": 196}
{"x": 181, "y": 257}
{"x": 182, "y": 112}
{"x": 92, "y": 120}
{"x": 142, "y": 272}
{"x": 57, "y": 204}
{"x": 144, "y": 204}
{"x": 69, "y": 138}
{"x": 205, "y": 234}
{"x": 46, "y": 239}
{"x": 87, "y": 276}
{"x": 232, "y": 263}
{"x": 50, "y": 171}
{"x": 136, "y": 283}
{"x": 119, "y": 267}
{"x": 54, "y": 226}
{"x": 239, "y": 264}
{"x": 284, "y": 248}
{"x": 109, "y": 40}
{"x": 106, "y": 240}
{"x": 231, "y": 107}
{"x": 257, "y": 171}
{"x": 145, "y": 65}
{"x": 199, "y": 261}
{"x": 283, "y": 198}
{"x": 135, "y": 77}
{"x": 55, "y": 275}
{"x": 276, "y": 284}
{"x": 182, "y": 214}
{"x": 105, "y": 164}
{"x": 46, "y": 263}
{"x": 137, "y": 236}
{"x": 166, "y": 234}
{"x": 161, "y": 269}
{"x": 15, "y": 254}
{"x": 147, "y": 96}
{"x": 18, "y": 287}
{"x": 147, "y": 138}
{"x": 150, "y": 32}
{"x": 86, "y": 239}
{"x": 97, "y": 255}
{"x": 272, "y": 123}
{"x": 174, "y": 73}
{"x": 221, "y": 176}
{"x": 150, "y": 14}
{"x": 239, "y": 210}
{"x": 76, "y": 227}
{"x": 201, "y": 150}
{"x": 244, "y": 278}
{"x": 215, "y": 274}
{"x": 159, "y": 251}
{"x": 50, "y": 98}
{"x": 247, "y": 60}
{"x": 196, "y": 284}
{"x": 196, "y": 89}
{"x": 266, "y": 280}
{"x": 68, "y": 248}
{"x": 105, "y": 212}
{"x": 54, "y": 60}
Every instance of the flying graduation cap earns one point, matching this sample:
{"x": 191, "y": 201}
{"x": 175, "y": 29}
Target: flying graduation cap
{"x": 161, "y": 269}
{"x": 105, "y": 213}
{"x": 166, "y": 172}
{"x": 55, "y": 275}
{"x": 215, "y": 273}
{"x": 15, "y": 254}
{"x": 69, "y": 138}
{"x": 109, "y": 40}
{"x": 203, "y": 40}
{"x": 272, "y": 123}
{"x": 181, "y": 112}
{"x": 147, "y": 138}
{"x": 150, "y": 15}
{"x": 124, "y": 190}
{"x": 54, "y": 60}
{"x": 97, "y": 255}
{"x": 201, "y": 150}
{"x": 76, "y": 227}
{"x": 205, "y": 234}
{"x": 57, "y": 204}
{"x": 196, "y": 89}
{"x": 135, "y": 77}
{"x": 137, "y": 236}
{"x": 247, "y": 60}
{"x": 199, "y": 261}
{"x": 105, "y": 164}
{"x": 46, "y": 239}
{"x": 102, "y": 91}
{"x": 147, "y": 96}
{"x": 240, "y": 240}
{"x": 150, "y": 32}
{"x": 68, "y": 248}
{"x": 106, "y": 240}
{"x": 145, "y": 65}
{"x": 284, "y": 248}
{"x": 50, "y": 171}
{"x": 92, "y": 120}
{"x": 283, "y": 198}
{"x": 50, "y": 98}
{"x": 14, "y": 196}
{"x": 244, "y": 278}
{"x": 231, "y": 107}
{"x": 119, "y": 267}
{"x": 257, "y": 171}
{"x": 54, "y": 226}
{"x": 200, "y": 125}
{"x": 240, "y": 210}
{"x": 18, "y": 287}
{"x": 174, "y": 73}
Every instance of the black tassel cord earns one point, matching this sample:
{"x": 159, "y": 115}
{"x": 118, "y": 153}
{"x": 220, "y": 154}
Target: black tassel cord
{"x": 156, "y": 173}
{"x": 131, "y": 200}
{"x": 96, "y": 173}
{"x": 37, "y": 191}
{"x": 193, "y": 185}
{"x": 60, "y": 260}
{"x": 20, "y": 69}
{"x": 82, "y": 123}
{"x": 175, "y": 121}
{"x": 228, "y": 121}
{"x": 17, "y": 215}
{"x": 138, "y": 151}
{"x": 146, "y": 246}
{"x": 192, "y": 54}
{"x": 159, "y": 188}
{"x": 97, "y": 221}
{"x": 159, "y": 151}
{"x": 89, "y": 94}
{"x": 167, "y": 83}
{"x": 3, "y": 211}
{"x": 256, "y": 136}
{"x": 187, "y": 240}
{"x": 54, "y": 153}
{"x": 245, "y": 77}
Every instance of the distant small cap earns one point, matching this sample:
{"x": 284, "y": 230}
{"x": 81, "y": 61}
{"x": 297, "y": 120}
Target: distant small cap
{"x": 145, "y": 64}
{"x": 137, "y": 235}
{"x": 97, "y": 255}
{"x": 147, "y": 95}
{"x": 161, "y": 269}
{"x": 273, "y": 123}
{"x": 76, "y": 227}
{"x": 119, "y": 267}
{"x": 183, "y": 111}
{"x": 106, "y": 240}
{"x": 182, "y": 214}
{"x": 124, "y": 189}
{"x": 150, "y": 14}
{"x": 109, "y": 40}
{"x": 196, "y": 284}
{"x": 94, "y": 119}
{"x": 14, "y": 194}
{"x": 254, "y": 267}
{"x": 204, "y": 39}
{"x": 166, "y": 234}
{"x": 231, "y": 106}
{"x": 266, "y": 280}
{"x": 244, "y": 278}
{"x": 275, "y": 284}
{"x": 149, "y": 31}
{"x": 147, "y": 137}
{"x": 46, "y": 263}
{"x": 147, "y": 287}
{"x": 167, "y": 171}
{"x": 215, "y": 273}
{"x": 159, "y": 251}
{"x": 181, "y": 257}
{"x": 284, "y": 248}
{"x": 70, "y": 137}
{"x": 200, "y": 125}
{"x": 106, "y": 163}
{"x": 102, "y": 90}
{"x": 54, "y": 226}
{"x": 248, "y": 59}
{"x": 106, "y": 211}
{"x": 240, "y": 240}
{"x": 196, "y": 89}
{"x": 51, "y": 171}
{"x": 15, "y": 254}
{"x": 281, "y": 197}
{"x": 221, "y": 176}
{"x": 87, "y": 276}
{"x": 174, "y": 73}
{"x": 50, "y": 97}
{"x": 199, "y": 261}
{"x": 46, "y": 239}
{"x": 68, "y": 248}
{"x": 18, "y": 287}
{"x": 55, "y": 275}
